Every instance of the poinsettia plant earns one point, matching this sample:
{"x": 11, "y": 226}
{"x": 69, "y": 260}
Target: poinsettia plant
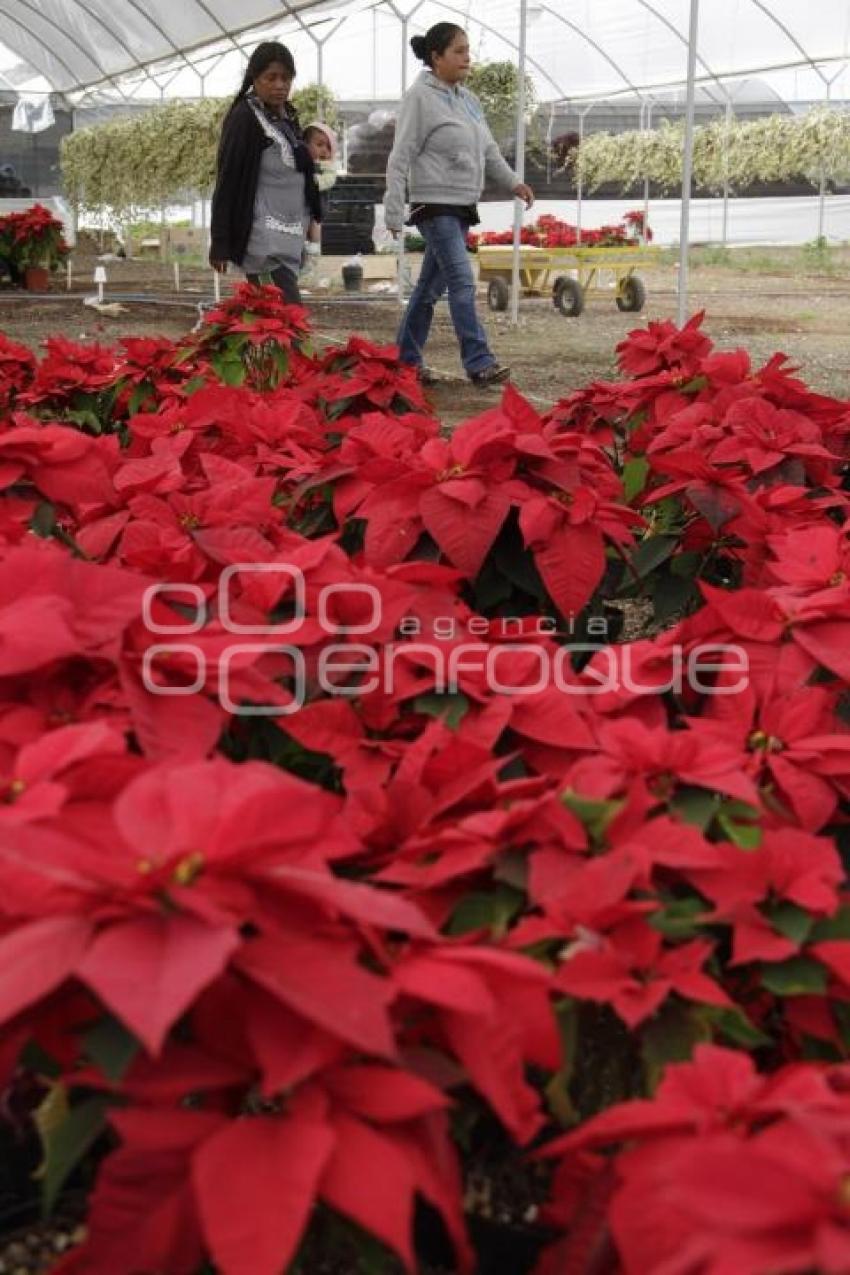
{"x": 34, "y": 237}
{"x": 550, "y": 232}
{"x": 366, "y": 897}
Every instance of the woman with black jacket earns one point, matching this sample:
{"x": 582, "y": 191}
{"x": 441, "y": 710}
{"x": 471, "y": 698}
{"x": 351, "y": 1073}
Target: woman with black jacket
{"x": 265, "y": 193}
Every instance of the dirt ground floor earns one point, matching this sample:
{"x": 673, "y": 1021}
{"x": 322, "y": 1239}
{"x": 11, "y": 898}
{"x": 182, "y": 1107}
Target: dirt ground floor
{"x": 764, "y": 304}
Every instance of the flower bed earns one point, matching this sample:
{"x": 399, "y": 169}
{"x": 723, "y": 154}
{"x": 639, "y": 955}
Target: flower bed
{"x": 360, "y": 891}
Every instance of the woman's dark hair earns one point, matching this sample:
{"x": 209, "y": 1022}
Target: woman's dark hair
{"x": 260, "y": 60}
{"x": 435, "y": 40}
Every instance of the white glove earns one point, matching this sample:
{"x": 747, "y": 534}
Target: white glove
{"x": 325, "y": 174}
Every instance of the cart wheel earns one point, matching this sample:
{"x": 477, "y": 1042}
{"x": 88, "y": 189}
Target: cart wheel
{"x": 498, "y": 294}
{"x": 568, "y": 297}
{"x": 632, "y": 294}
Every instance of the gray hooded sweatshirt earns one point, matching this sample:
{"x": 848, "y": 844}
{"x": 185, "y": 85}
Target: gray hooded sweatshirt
{"x": 443, "y": 149}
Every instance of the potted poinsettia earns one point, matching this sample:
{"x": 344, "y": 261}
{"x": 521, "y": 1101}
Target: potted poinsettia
{"x": 36, "y": 244}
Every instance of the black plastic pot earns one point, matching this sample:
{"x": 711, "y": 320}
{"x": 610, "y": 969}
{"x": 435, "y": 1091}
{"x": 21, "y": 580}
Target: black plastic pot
{"x": 352, "y": 277}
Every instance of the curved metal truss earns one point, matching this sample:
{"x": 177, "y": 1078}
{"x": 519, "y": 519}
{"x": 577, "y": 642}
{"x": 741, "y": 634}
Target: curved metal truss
{"x": 80, "y": 46}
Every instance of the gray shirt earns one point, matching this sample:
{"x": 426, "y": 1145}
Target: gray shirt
{"x": 281, "y": 215}
{"x": 443, "y": 145}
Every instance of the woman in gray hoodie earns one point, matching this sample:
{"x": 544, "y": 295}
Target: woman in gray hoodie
{"x": 442, "y": 153}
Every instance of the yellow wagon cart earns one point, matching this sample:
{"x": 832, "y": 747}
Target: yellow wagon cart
{"x": 568, "y": 274}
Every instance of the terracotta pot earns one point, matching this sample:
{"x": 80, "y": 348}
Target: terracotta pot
{"x": 36, "y": 279}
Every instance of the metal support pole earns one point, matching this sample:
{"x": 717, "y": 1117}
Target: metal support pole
{"x": 726, "y": 171}
{"x": 822, "y": 184}
{"x": 203, "y": 80}
{"x": 374, "y": 54}
{"x": 162, "y": 89}
{"x": 579, "y": 179}
{"x": 320, "y": 50}
{"x": 648, "y": 125}
{"x": 404, "y": 19}
{"x": 687, "y": 164}
{"x": 519, "y": 207}
{"x": 549, "y": 132}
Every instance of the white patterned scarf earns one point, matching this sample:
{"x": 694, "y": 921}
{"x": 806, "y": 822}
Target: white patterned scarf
{"x": 273, "y": 134}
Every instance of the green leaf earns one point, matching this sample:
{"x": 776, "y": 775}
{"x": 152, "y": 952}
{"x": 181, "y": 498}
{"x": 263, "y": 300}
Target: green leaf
{"x": 794, "y": 922}
{"x": 110, "y": 1047}
{"x": 595, "y": 815}
{"x": 686, "y": 564}
{"x": 512, "y": 869}
{"x": 66, "y": 538}
{"x": 67, "y": 1134}
{"x": 557, "y": 1090}
{"x": 451, "y": 707}
{"x": 696, "y": 806}
{"x": 229, "y": 369}
{"x": 634, "y": 477}
{"x": 833, "y": 927}
{"x": 798, "y": 976}
{"x": 333, "y": 411}
{"x": 671, "y": 1036}
{"x": 667, "y": 516}
{"x": 735, "y": 1026}
{"x": 86, "y": 420}
{"x": 140, "y": 395}
{"x": 492, "y": 909}
{"x": 515, "y": 562}
{"x": 747, "y": 836}
{"x": 679, "y": 919}
{"x": 693, "y": 386}
{"x": 736, "y": 809}
{"x": 196, "y": 383}
{"x": 43, "y": 520}
{"x": 35, "y": 1058}
{"x": 651, "y": 553}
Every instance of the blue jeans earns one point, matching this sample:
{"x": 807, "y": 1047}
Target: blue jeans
{"x": 445, "y": 266}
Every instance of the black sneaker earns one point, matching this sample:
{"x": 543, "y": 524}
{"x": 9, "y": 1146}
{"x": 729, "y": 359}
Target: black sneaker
{"x": 492, "y": 375}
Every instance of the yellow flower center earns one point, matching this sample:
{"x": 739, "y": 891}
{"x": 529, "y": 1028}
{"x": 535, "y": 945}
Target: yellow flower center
{"x": 13, "y": 791}
{"x": 185, "y": 872}
{"x": 189, "y": 868}
{"x": 760, "y": 741}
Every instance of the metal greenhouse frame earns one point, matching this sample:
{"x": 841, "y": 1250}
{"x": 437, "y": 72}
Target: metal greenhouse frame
{"x": 124, "y": 48}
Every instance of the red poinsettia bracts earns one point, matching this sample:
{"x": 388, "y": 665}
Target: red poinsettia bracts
{"x": 765, "y": 1187}
{"x": 375, "y": 798}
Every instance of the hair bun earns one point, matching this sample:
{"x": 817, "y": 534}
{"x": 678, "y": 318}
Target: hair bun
{"x": 418, "y": 45}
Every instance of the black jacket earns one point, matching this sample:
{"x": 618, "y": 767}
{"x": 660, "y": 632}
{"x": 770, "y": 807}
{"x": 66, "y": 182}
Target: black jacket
{"x": 239, "y": 152}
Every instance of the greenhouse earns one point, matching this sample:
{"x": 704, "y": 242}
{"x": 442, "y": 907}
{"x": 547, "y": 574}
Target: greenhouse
{"x": 424, "y": 631}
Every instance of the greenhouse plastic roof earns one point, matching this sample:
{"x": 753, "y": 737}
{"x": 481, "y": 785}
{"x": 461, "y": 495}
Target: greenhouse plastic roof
{"x": 576, "y": 49}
